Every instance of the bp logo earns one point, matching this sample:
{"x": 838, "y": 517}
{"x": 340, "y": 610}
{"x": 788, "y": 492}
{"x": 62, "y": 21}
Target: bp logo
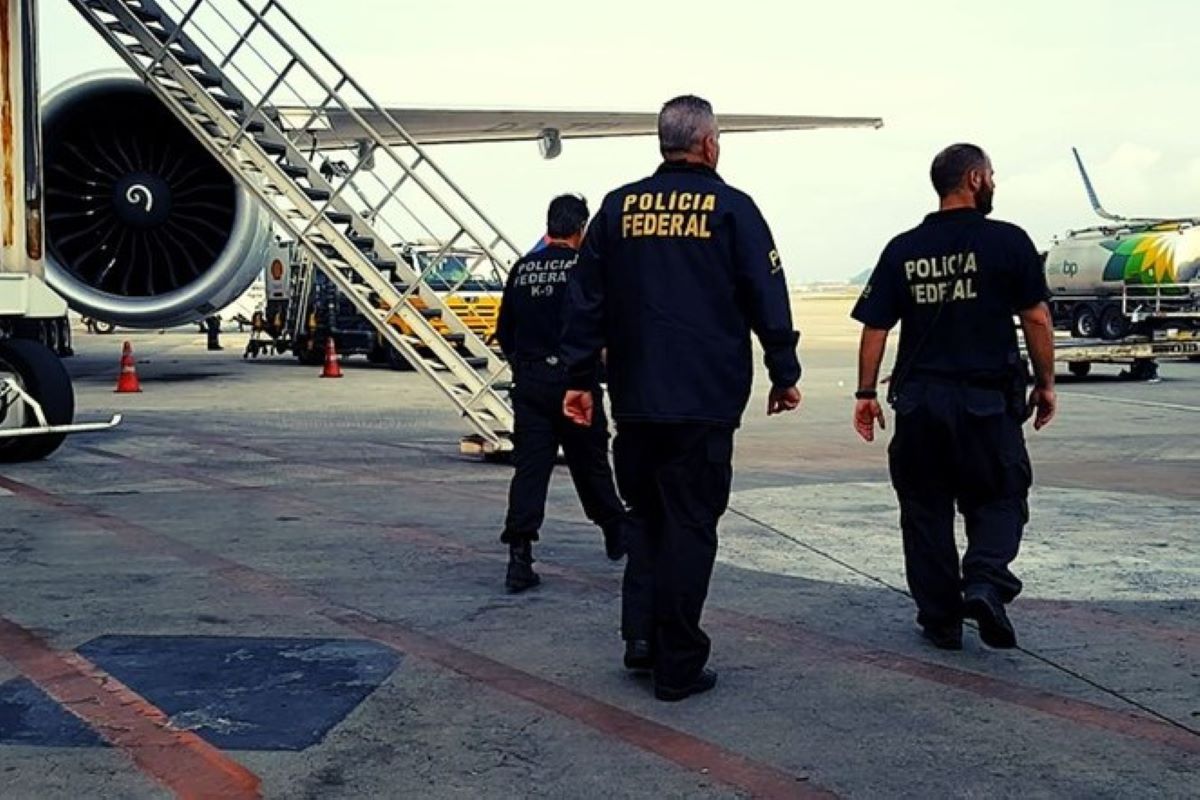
{"x": 1145, "y": 259}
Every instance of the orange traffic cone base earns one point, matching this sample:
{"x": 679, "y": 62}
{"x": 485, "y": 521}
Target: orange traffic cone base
{"x": 333, "y": 367}
{"x": 127, "y": 381}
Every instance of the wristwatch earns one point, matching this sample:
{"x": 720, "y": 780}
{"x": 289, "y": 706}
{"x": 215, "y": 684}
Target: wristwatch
{"x": 866, "y": 394}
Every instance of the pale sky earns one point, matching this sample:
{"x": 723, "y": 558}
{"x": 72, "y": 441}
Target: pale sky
{"x": 1026, "y": 80}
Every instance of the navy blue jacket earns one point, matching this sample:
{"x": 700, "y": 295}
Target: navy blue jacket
{"x": 675, "y": 272}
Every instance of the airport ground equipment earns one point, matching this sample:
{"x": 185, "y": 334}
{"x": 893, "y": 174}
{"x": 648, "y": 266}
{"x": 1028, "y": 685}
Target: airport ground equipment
{"x": 1141, "y": 353}
{"x": 1129, "y": 275}
{"x": 222, "y": 68}
{"x": 37, "y": 402}
{"x": 302, "y": 308}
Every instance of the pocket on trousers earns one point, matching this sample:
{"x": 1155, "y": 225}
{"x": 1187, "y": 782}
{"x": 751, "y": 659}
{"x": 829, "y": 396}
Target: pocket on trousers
{"x": 984, "y": 402}
{"x": 719, "y": 469}
{"x": 909, "y": 399}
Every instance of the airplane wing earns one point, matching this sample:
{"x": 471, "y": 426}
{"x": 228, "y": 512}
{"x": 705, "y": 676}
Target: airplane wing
{"x": 337, "y": 129}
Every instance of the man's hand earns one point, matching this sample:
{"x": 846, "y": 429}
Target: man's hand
{"x": 783, "y": 400}
{"x": 1045, "y": 403}
{"x": 866, "y": 414}
{"x": 577, "y": 406}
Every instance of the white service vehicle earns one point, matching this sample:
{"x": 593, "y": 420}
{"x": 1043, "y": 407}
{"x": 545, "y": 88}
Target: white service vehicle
{"x": 37, "y": 403}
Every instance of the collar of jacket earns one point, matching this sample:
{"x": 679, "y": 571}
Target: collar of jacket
{"x": 675, "y": 167}
{"x": 953, "y": 215}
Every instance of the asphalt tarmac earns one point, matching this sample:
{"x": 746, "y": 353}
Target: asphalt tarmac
{"x": 269, "y": 584}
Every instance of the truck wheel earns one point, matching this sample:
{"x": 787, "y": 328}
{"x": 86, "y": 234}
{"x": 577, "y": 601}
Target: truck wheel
{"x": 1085, "y": 322}
{"x": 39, "y": 372}
{"x": 397, "y": 361}
{"x": 1080, "y": 369}
{"x": 104, "y": 327}
{"x": 378, "y": 354}
{"x": 1143, "y": 369}
{"x": 309, "y": 356}
{"x": 1113, "y": 323}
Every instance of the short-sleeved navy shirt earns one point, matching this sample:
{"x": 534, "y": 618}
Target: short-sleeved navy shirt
{"x": 954, "y": 283}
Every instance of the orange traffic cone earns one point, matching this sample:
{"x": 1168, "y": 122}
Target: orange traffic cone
{"x": 127, "y": 381}
{"x": 333, "y": 367}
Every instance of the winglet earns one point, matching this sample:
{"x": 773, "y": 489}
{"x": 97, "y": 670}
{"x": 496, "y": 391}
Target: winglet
{"x": 1091, "y": 191}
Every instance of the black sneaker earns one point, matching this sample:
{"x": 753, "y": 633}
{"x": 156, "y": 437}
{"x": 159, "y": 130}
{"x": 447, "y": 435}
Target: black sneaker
{"x": 944, "y": 637}
{"x": 639, "y": 656}
{"x": 982, "y": 605}
{"x": 520, "y": 568}
{"x": 706, "y": 680}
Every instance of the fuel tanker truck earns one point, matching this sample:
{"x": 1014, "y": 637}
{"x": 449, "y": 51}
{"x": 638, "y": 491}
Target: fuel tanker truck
{"x": 1129, "y": 276}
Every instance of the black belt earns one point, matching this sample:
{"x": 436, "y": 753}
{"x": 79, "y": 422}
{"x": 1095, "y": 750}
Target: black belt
{"x": 973, "y": 382}
{"x": 541, "y": 361}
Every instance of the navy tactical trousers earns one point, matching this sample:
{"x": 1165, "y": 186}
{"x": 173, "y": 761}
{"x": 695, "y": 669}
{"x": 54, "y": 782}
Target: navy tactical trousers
{"x": 539, "y": 429}
{"x": 676, "y": 480}
{"x": 958, "y": 444}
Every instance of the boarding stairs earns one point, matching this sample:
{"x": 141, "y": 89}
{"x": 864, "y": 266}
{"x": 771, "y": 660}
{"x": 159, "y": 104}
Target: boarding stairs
{"x": 226, "y": 69}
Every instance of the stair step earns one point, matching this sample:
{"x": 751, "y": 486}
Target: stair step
{"x": 476, "y": 362}
{"x": 228, "y": 103}
{"x": 455, "y": 338}
{"x": 204, "y": 79}
{"x": 293, "y": 170}
{"x": 186, "y": 58}
{"x": 272, "y": 148}
{"x": 315, "y": 193}
{"x": 144, "y": 14}
{"x": 339, "y": 217}
{"x": 431, "y": 313}
{"x": 361, "y": 242}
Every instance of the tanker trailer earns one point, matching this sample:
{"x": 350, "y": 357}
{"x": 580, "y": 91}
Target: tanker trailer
{"x": 1109, "y": 282}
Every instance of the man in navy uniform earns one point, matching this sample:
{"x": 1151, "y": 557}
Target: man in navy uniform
{"x": 959, "y": 386}
{"x": 528, "y": 330}
{"x": 675, "y": 272}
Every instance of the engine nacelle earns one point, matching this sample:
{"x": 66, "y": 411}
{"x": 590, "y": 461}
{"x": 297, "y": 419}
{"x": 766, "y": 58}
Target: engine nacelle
{"x": 144, "y": 227}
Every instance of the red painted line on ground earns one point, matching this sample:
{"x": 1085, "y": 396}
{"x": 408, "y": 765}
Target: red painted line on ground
{"x": 180, "y": 760}
{"x": 824, "y": 646}
{"x": 1082, "y": 712}
{"x": 685, "y": 750}
{"x": 1106, "y": 620}
{"x": 690, "y": 752}
{"x": 1072, "y": 612}
{"x": 814, "y": 643}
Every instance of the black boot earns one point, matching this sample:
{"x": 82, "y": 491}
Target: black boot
{"x": 614, "y": 539}
{"x": 520, "y": 567}
{"x": 982, "y": 604}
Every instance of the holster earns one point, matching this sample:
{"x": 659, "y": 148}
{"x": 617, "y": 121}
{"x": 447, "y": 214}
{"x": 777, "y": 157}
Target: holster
{"x": 1016, "y": 392}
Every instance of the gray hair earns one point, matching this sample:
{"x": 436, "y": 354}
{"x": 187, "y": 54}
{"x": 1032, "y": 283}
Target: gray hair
{"x": 684, "y": 122}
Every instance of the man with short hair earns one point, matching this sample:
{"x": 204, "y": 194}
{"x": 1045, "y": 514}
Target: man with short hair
{"x": 959, "y": 386}
{"x": 528, "y": 330}
{"x": 677, "y": 269}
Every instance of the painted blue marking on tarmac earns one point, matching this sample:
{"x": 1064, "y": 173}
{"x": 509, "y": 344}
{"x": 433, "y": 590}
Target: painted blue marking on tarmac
{"x": 29, "y": 716}
{"x": 236, "y": 693}
{"x": 248, "y": 693}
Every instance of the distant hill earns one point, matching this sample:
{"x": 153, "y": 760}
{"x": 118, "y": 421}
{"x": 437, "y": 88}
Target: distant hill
{"x": 861, "y": 278}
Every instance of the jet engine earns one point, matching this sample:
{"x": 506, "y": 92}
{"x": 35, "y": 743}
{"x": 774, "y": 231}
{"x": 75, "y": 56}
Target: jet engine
{"x": 144, "y": 228}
